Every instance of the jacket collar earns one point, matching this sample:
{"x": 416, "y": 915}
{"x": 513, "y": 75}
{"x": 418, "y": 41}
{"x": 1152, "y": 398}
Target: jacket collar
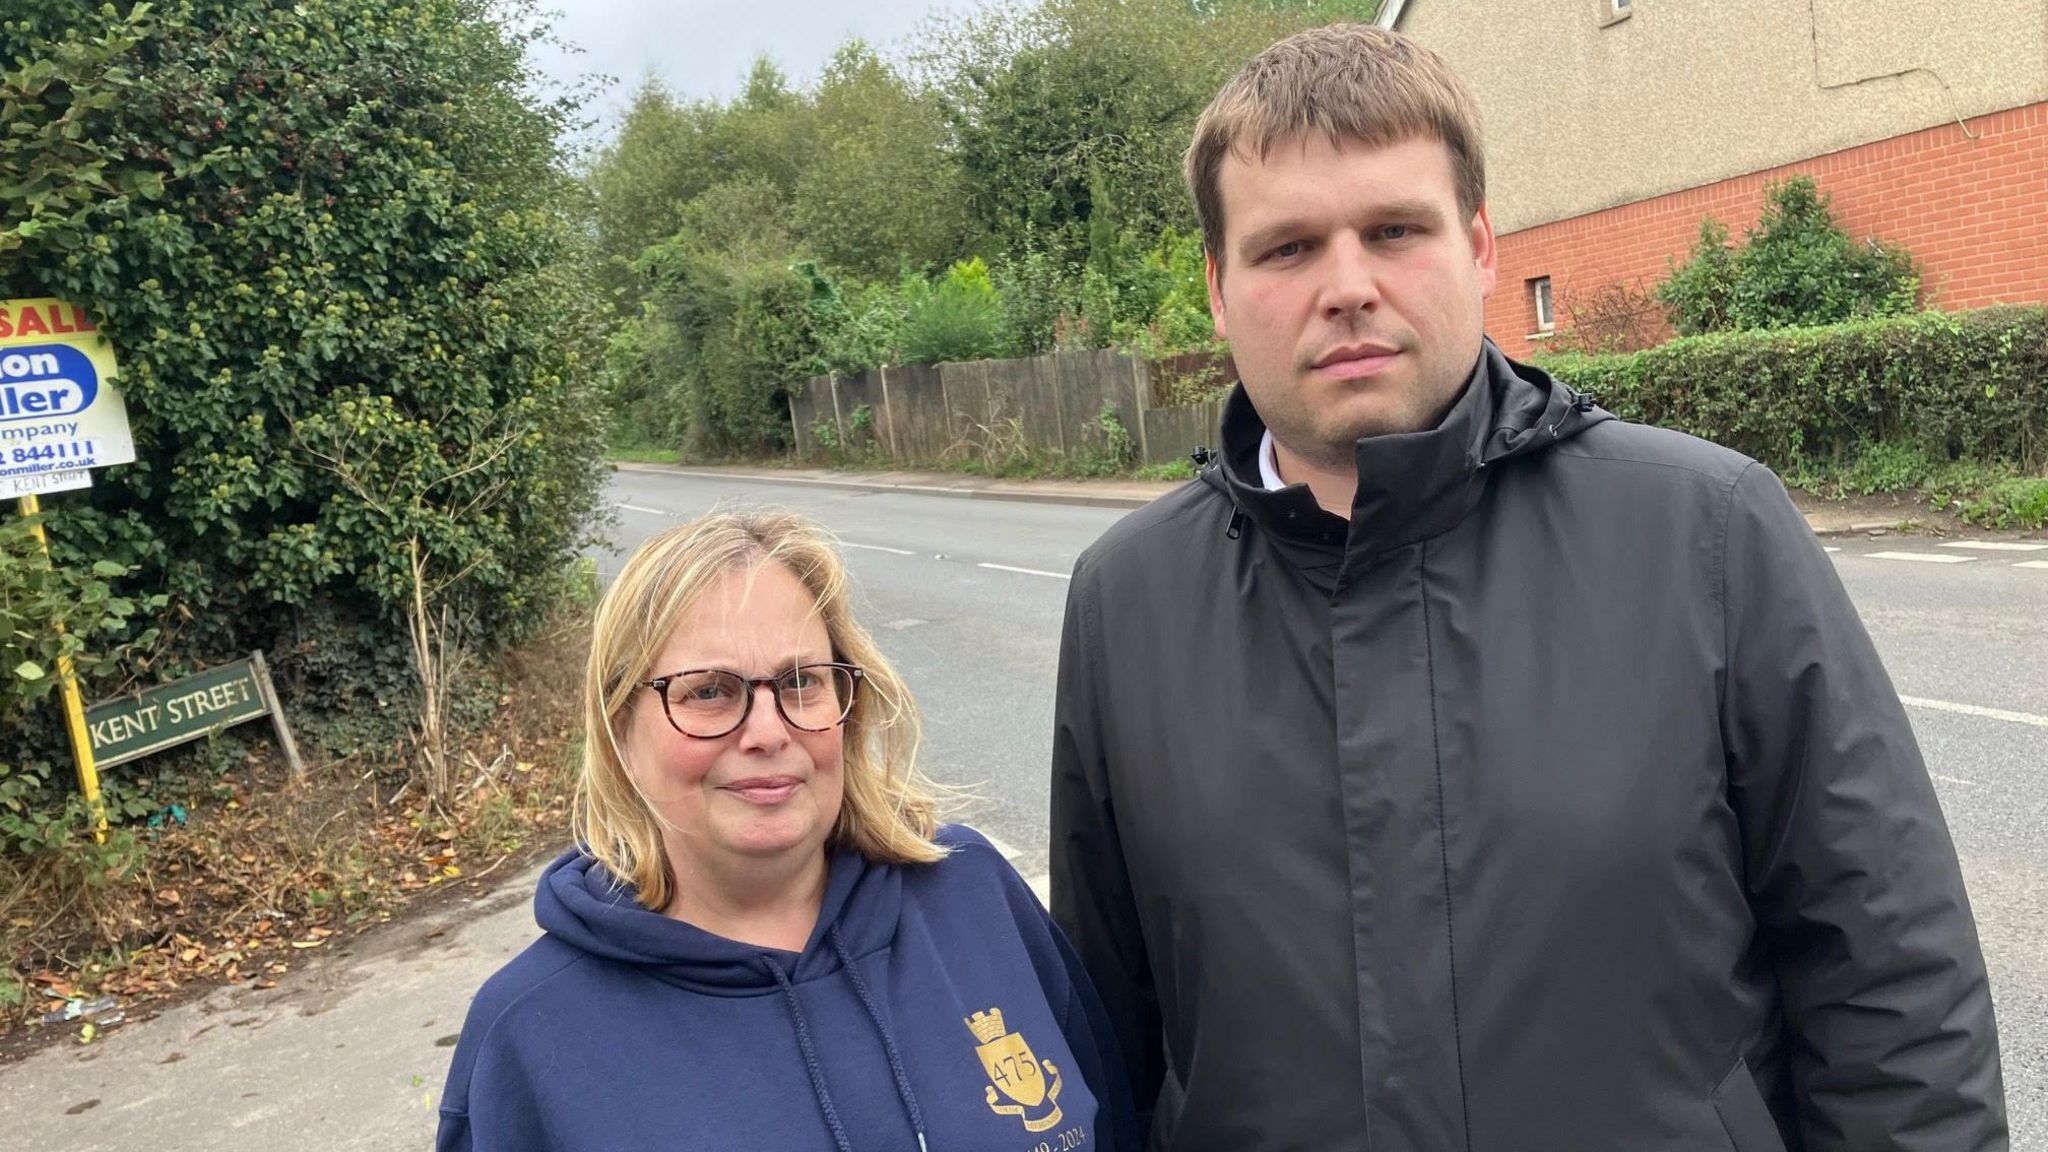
{"x": 1411, "y": 485}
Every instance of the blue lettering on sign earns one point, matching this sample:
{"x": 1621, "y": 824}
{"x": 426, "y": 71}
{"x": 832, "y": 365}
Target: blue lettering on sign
{"x": 38, "y": 381}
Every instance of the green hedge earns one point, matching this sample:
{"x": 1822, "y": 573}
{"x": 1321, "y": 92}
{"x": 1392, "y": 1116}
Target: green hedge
{"x": 1954, "y": 386}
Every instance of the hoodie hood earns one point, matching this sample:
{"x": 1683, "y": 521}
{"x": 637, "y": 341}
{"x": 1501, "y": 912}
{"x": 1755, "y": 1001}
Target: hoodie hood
{"x": 623, "y": 1028}
{"x": 1411, "y": 485}
{"x": 582, "y": 904}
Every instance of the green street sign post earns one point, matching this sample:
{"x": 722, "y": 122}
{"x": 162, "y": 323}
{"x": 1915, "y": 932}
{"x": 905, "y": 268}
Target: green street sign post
{"x": 197, "y": 706}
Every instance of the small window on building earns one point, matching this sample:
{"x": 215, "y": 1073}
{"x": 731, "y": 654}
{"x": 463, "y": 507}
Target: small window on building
{"x": 1539, "y": 292}
{"x": 1613, "y": 12}
{"x": 1620, "y": 5}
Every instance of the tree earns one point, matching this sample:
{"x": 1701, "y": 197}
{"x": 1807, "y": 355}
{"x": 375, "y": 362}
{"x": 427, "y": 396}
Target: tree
{"x": 660, "y": 160}
{"x": 1049, "y": 100}
{"x": 882, "y": 191}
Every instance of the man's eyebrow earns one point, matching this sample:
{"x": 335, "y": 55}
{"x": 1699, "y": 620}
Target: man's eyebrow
{"x": 1258, "y": 241}
{"x": 1421, "y": 211}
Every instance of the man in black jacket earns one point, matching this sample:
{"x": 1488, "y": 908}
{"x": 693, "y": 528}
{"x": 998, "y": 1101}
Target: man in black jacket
{"x": 1452, "y": 766}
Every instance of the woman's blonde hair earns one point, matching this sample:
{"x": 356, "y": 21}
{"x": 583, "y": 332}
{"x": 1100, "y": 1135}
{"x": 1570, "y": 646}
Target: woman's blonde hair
{"x": 888, "y": 812}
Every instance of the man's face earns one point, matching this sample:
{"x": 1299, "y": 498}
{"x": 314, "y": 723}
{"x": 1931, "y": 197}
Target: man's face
{"x": 1351, "y": 289}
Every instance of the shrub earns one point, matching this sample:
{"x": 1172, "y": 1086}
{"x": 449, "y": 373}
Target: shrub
{"x": 1795, "y": 269}
{"x": 1934, "y": 386}
{"x": 957, "y": 318}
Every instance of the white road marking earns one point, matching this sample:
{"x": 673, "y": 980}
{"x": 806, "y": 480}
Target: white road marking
{"x": 877, "y": 548}
{"x": 1995, "y": 546}
{"x": 2032, "y": 564}
{"x": 1026, "y": 571}
{"x": 1825, "y": 548}
{"x": 1974, "y": 710}
{"x": 1953, "y": 780}
{"x": 638, "y": 508}
{"x": 1922, "y": 557}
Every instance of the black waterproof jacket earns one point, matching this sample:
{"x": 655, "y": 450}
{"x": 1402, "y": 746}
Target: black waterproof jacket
{"x": 1558, "y": 802}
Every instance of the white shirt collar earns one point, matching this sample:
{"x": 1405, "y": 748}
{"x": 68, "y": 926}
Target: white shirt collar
{"x": 1269, "y": 464}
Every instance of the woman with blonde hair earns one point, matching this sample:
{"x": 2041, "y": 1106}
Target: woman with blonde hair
{"x": 764, "y": 939}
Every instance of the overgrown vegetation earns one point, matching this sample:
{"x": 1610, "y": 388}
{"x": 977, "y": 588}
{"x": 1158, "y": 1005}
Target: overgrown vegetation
{"x": 251, "y": 873}
{"x": 1011, "y": 187}
{"x": 343, "y": 259}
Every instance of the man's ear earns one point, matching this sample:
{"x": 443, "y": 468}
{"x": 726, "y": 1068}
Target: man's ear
{"x": 1214, "y": 274}
{"x": 1485, "y": 252}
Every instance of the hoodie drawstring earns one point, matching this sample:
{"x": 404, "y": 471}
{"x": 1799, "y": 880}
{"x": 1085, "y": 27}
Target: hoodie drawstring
{"x": 817, "y": 1071}
{"x": 860, "y": 987}
{"x": 803, "y": 1041}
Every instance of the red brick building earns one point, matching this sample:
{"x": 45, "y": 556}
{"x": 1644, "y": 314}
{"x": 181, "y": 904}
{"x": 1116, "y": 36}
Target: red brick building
{"x": 1614, "y": 126}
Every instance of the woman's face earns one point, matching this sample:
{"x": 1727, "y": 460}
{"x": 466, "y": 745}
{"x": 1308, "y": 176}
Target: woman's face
{"x": 766, "y": 789}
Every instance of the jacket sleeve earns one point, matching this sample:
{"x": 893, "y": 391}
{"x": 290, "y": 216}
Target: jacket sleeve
{"x": 1091, "y": 891}
{"x": 1852, "y": 876}
{"x": 1092, "y": 1039}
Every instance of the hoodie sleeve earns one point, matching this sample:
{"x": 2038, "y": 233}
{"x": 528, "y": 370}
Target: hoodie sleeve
{"x": 1091, "y": 892}
{"x": 1852, "y": 875}
{"x": 488, "y": 1102}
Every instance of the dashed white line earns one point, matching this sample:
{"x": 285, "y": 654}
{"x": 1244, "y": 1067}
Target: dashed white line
{"x": 1026, "y": 571}
{"x": 1973, "y": 710}
{"x": 639, "y": 508}
{"x": 2032, "y": 564}
{"x": 1922, "y": 557}
{"x": 1826, "y": 548}
{"x": 877, "y": 548}
{"x": 1995, "y": 546}
{"x": 1953, "y": 780}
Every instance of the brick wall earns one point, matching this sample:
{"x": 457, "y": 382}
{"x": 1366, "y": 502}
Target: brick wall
{"x": 1973, "y": 211}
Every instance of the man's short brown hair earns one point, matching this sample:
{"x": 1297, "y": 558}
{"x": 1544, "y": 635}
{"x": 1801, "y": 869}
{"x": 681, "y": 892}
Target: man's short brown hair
{"x": 1352, "y": 83}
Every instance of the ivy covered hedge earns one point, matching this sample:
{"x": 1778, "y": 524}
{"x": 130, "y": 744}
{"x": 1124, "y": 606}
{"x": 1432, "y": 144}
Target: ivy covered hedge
{"x": 335, "y": 245}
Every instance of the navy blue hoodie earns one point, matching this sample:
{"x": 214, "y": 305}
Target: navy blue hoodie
{"x": 936, "y": 1006}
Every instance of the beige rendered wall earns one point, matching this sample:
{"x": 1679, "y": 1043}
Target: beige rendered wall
{"x": 1585, "y": 111}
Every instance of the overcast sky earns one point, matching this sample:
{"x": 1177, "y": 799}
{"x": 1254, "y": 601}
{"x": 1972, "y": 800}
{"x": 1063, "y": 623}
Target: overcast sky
{"x": 703, "y": 47}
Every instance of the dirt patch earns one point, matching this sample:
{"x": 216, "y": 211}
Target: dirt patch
{"x": 267, "y": 872}
{"x": 1890, "y": 512}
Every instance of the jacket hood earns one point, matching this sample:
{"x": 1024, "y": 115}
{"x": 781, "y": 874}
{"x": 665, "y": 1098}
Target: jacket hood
{"x": 581, "y": 903}
{"x": 1411, "y": 485}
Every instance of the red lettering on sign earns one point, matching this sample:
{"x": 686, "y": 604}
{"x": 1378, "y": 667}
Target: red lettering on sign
{"x": 31, "y": 324}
